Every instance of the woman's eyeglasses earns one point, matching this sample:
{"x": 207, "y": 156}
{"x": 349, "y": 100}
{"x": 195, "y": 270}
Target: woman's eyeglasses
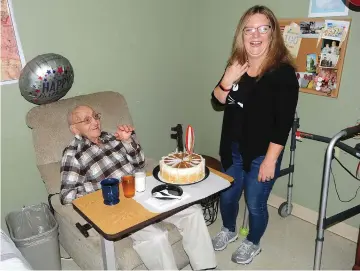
{"x": 262, "y": 29}
{"x": 88, "y": 119}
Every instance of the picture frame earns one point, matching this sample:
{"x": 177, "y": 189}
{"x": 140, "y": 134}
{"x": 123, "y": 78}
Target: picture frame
{"x": 12, "y": 54}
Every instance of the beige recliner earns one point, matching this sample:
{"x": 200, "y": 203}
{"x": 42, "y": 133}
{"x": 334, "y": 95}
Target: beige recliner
{"x": 50, "y": 136}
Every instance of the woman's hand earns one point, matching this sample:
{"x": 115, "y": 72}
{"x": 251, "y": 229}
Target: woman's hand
{"x": 267, "y": 170}
{"x": 267, "y": 167}
{"x": 123, "y": 132}
{"x": 233, "y": 73}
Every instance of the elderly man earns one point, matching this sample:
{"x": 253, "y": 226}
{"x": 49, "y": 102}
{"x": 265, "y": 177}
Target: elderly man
{"x": 94, "y": 155}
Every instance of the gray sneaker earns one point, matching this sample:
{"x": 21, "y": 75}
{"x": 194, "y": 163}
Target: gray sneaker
{"x": 223, "y": 238}
{"x": 246, "y": 252}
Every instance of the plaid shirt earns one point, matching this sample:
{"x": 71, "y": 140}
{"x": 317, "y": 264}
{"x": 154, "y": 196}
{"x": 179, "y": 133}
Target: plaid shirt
{"x": 84, "y": 164}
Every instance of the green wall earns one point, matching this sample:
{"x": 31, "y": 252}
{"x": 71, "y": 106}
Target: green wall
{"x": 143, "y": 49}
{"x": 165, "y": 57}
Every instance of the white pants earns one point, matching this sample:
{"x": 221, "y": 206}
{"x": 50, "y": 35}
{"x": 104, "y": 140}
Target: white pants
{"x": 152, "y": 244}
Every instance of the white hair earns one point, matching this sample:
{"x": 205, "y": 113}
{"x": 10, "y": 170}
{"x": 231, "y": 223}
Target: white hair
{"x": 72, "y": 112}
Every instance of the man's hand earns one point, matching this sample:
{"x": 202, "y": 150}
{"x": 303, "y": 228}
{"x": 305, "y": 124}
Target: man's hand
{"x": 123, "y": 132}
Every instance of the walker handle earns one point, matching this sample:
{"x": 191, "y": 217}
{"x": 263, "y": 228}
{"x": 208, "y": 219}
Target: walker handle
{"x": 351, "y": 131}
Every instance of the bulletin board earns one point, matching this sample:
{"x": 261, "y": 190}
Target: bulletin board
{"x": 318, "y": 46}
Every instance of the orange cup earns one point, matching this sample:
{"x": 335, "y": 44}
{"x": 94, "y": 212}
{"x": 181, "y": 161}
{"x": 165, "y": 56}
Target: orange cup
{"x": 128, "y": 185}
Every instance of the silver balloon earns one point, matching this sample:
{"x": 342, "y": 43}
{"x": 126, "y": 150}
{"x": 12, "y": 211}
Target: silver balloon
{"x": 46, "y": 78}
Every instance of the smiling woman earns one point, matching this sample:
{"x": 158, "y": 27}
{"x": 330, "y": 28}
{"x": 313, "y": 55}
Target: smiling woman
{"x": 259, "y": 90}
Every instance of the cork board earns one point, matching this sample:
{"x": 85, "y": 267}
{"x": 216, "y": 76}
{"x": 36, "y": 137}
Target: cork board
{"x": 319, "y": 47}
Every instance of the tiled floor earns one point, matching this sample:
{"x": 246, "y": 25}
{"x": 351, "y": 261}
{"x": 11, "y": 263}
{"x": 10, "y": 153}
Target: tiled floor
{"x": 289, "y": 243}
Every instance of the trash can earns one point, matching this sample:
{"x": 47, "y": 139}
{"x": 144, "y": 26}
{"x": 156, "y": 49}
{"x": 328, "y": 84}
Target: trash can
{"x": 34, "y": 231}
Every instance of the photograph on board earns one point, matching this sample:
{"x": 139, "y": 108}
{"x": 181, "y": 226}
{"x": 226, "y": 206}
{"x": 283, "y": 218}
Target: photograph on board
{"x": 326, "y": 80}
{"x": 306, "y": 79}
{"x": 311, "y": 29}
{"x": 335, "y": 30}
{"x": 330, "y": 53}
{"x": 311, "y": 63}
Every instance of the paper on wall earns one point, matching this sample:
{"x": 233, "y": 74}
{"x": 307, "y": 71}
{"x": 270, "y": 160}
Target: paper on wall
{"x": 292, "y": 38}
{"x": 335, "y": 30}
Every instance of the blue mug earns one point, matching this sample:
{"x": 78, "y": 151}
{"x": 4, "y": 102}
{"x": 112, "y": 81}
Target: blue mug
{"x": 110, "y": 191}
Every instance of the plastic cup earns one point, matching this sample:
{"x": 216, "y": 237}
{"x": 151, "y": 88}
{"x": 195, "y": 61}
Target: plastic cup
{"x": 128, "y": 184}
{"x": 110, "y": 191}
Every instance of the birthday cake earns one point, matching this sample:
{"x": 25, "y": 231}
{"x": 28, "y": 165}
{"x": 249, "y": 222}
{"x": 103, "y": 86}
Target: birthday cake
{"x": 182, "y": 168}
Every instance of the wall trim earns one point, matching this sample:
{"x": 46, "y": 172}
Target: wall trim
{"x": 342, "y": 229}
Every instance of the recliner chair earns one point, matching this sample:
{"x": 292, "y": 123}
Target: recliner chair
{"x": 50, "y": 136}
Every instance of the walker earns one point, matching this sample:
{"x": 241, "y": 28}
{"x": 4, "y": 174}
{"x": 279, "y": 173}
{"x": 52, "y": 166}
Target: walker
{"x": 323, "y": 221}
{"x": 286, "y": 207}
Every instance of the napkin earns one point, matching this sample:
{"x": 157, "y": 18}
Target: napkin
{"x": 166, "y": 204}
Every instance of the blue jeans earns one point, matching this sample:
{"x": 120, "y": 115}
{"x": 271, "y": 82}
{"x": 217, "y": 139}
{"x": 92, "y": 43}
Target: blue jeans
{"x": 256, "y": 195}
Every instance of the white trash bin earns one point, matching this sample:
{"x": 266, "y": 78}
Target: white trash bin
{"x": 34, "y": 231}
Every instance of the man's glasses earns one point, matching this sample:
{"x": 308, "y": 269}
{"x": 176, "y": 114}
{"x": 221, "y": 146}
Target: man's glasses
{"x": 262, "y": 29}
{"x": 88, "y": 119}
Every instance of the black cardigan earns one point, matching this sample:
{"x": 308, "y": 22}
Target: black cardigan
{"x": 258, "y": 112}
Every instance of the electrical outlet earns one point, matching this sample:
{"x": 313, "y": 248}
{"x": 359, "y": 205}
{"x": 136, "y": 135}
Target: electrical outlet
{"x": 337, "y": 152}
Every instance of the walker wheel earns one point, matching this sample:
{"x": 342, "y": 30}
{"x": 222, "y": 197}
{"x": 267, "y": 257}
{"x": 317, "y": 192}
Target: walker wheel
{"x": 285, "y": 209}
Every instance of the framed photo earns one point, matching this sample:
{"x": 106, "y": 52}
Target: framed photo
{"x": 327, "y": 8}
{"x": 12, "y": 55}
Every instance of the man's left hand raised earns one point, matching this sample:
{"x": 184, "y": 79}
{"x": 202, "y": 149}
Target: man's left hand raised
{"x": 123, "y": 132}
